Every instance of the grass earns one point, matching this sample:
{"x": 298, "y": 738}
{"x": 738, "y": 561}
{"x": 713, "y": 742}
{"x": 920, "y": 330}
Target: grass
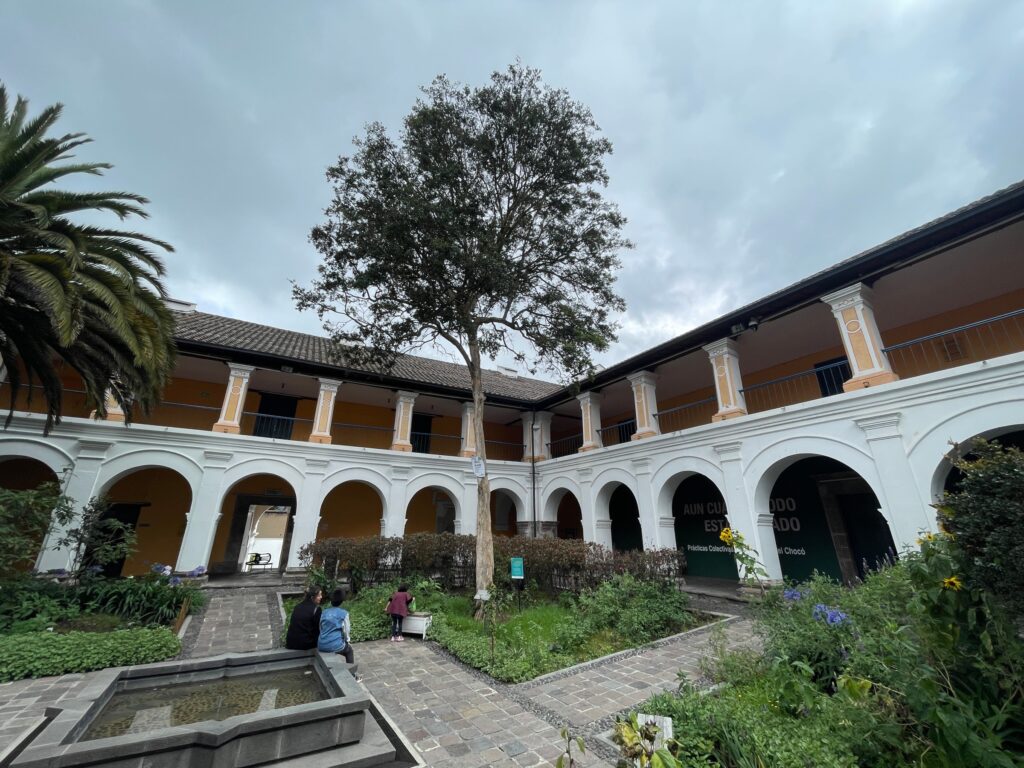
{"x": 546, "y": 635}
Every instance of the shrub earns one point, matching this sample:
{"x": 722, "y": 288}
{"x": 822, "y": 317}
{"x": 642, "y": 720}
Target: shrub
{"x": 25, "y": 517}
{"x": 986, "y": 517}
{"x": 640, "y": 611}
{"x": 154, "y": 599}
{"x": 42, "y": 654}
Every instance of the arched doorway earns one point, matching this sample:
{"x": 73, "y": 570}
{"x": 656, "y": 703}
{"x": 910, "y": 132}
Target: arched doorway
{"x": 431, "y": 510}
{"x": 352, "y": 510}
{"x": 24, "y": 474}
{"x": 155, "y": 502}
{"x": 827, "y": 519}
{"x": 700, "y": 516}
{"x": 257, "y": 515}
{"x": 569, "y": 517}
{"x": 504, "y": 516}
{"x": 1012, "y": 438}
{"x": 625, "y": 518}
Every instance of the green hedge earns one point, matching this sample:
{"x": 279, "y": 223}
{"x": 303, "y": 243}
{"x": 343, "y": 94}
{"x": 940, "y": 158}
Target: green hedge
{"x": 41, "y": 654}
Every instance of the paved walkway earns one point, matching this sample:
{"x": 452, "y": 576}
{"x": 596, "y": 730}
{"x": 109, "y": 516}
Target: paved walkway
{"x": 455, "y": 716}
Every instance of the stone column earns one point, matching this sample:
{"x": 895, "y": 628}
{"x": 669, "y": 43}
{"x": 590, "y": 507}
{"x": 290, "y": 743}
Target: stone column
{"x": 80, "y": 488}
{"x": 204, "y": 514}
{"x": 725, "y": 363}
{"x": 907, "y": 513}
{"x": 324, "y": 415}
{"x": 590, "y": 406}
{"x": 307, "y": 512}
{"x": 468, "y": 447}
{"x": 756, "y": 529}
{"x": 855, "y": 316}
{"x": 402, "y": 440}
{"x": 537, "y": 441}
{"x": 234, "y": 399}
{"x": 645, "y": 503}
{"x": 645, "y": 403}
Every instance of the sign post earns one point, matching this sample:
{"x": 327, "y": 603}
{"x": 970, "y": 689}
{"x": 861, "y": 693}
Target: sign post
{"x": 517, "y": 573}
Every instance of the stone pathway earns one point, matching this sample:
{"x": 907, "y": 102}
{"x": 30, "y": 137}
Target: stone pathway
{"x": 455, "y": 716}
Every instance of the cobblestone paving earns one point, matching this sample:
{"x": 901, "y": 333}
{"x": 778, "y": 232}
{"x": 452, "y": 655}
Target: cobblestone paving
{"x": 236, "y": 621}
{"x": 455, "y": 716}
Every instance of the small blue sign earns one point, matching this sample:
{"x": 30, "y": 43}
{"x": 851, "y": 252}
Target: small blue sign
{"x": 517, "y": 567}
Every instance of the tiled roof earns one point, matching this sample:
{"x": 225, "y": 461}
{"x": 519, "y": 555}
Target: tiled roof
{"x": 228, "y": 333}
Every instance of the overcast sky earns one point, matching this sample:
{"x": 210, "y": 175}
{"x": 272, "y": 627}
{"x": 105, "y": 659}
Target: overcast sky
{"x": 755, "y": 143}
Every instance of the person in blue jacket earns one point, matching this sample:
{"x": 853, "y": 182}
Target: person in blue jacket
{"x": 335, "y": 629}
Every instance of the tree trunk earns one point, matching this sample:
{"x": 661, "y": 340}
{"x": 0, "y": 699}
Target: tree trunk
{"x": 484, "y": 540}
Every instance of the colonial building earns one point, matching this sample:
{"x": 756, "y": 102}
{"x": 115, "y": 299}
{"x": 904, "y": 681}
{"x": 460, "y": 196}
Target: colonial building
{"x": 816, "y": 421}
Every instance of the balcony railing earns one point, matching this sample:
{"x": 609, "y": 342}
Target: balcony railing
{"x": 565, "y": 446}
{"x": 685, "y": 416}
{"x": 820, "y": 381}
{"x": 618, "y": 433}
{"x": 501, "y": 450}
{"x": 981, "y": 340}
{"x": 275, "y": 427}
{"x": 430, "y": 442}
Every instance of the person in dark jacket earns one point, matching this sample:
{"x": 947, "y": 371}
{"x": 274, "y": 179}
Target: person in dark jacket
{"x": 304, "y": 628}
{"x": 398, "y": 606}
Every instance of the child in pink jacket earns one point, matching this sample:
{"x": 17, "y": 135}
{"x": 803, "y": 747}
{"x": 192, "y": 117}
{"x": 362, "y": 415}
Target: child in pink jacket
{"x": 398, "y": 607}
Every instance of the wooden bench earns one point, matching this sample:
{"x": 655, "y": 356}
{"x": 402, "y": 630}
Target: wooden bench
{"x": 258, "y": 560}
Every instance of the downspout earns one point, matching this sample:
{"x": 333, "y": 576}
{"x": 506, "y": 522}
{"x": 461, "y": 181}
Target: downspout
{"x": 533, "y": 469}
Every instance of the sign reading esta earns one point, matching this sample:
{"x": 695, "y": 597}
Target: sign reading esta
{"x": 517, "y": 568}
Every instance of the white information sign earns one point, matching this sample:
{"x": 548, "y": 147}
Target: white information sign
{"x": 478, "y": 466}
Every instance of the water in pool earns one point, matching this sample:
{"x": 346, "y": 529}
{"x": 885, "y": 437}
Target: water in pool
{"x": 163, "y": 706}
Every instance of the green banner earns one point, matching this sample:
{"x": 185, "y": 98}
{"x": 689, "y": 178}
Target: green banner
{"x": 700, "y": 516}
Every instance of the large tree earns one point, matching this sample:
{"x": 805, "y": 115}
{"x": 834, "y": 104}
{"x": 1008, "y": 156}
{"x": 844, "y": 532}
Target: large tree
{"x": 82, "y": 294}
{"x": 482, "y": 226}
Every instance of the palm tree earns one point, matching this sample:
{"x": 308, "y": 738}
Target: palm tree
{"x": 73, "y": 294}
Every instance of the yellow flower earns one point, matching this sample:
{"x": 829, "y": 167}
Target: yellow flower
{"x": 952, "y": 582}
{"x": 726, "y": 536}
{"x": 927, "y": 537}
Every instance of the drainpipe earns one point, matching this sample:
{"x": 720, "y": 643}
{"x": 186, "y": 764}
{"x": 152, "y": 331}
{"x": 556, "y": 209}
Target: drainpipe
{"x": 534, "y": 428}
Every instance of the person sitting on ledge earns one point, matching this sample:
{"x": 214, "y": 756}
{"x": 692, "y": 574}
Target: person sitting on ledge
{"x": 335, "y": 630}
{"x": 304, "y": 628}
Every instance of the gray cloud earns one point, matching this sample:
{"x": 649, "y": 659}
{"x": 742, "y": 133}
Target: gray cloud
{"x": 754, "y": 143}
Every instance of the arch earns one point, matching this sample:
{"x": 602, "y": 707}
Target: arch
{"x": 432, "y": 509}
{"x": 568, "y": 517}
{"x": 551, "y": 495}
{"x": 697, "y": 506}
{"x": 666, "y": 480}
{"x": 605, "y": 484}
{"x": 826, "y": 518}
{"x": 947, "y": 476}
{"x": 19, "y": 473}
{"x": 624, "y": 515}
{"x": 507, "y": 510}
{"x": 436, "y": 480}
{"x": 155, "y": 501}
{"x": 352, "y": 509}
{"x": 365, "y": 475}
{"x": 928, "y": 452}
{"x": 517, "y": 492}
{"x": 247, "y": 468}
{"x": 124, "y": 464}
{"x": 248, "y": 499}
{"x": 57, "y": 460}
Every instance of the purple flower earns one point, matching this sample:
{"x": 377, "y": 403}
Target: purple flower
{"x": 175, "y": 581}
{"x": 156, "y": 568}
{"x": 792, "y": 594}
{"x": 58, "y": 571}
{"x": 199, "y": 570}
{"x": 835, "y": 616}
{"x": 820, "y": 611}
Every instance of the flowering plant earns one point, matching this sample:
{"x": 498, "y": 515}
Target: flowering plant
{"x": 751, "y": 569}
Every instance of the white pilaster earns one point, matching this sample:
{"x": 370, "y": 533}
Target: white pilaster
{"x": 855, "y": 316}
{"x": 645, "y": 504}
{"x": 537, "y": 435}
{"x": 756, "y": 529}
{"x": 466, "y": 517}
{"x": 204, "y": 514}
{"x": 324, "y": 415}
{"x": 80, "y": 488}
{"x": 234, "y": 399}
{"x": 307, "y": 511}
{"x": 590, "y": 408}
{"x": 398, "y": 500}
{"x": 725, "y": 363}
{"x": 402, "y": 440}
{"x": 645, "y": 404}
{"x": 902, "y": 507}
{"x": 468, "y": 446}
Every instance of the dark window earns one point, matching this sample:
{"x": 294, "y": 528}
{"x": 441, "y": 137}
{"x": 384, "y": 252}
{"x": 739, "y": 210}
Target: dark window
{"x": 832, "y": 374}
{"x": 420, "y": 437}
{"x": 275, "y": 417}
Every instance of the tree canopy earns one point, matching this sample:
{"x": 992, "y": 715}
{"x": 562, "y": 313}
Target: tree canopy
{"x": 483, "y": 225}
{"x": 85, "y": 296}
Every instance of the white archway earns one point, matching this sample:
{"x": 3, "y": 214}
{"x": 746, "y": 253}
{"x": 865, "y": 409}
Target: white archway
{"x": 46, "y": 453}
{"x": 125, "y": 464}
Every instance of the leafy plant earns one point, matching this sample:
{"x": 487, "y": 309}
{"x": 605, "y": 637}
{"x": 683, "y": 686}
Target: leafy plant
{"x": 566, "y": 760}
{"x": 97, "y": 540}
{"x": 25, "y": 518}
{"x": 751, "y": 570}
{"x": 637, "y": 744}
{"x": 41, "y": 654}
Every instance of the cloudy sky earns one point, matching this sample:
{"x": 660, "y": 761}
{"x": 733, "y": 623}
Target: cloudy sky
{"x": 755, "y": 142}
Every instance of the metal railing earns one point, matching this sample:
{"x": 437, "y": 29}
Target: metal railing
{"x": 618, "y": 433}
{"x": 688, "y": 415}
{"x": 266, "y": 425}
{"x": 565, "y": 446}
{"x": 820, "y": 381}
{"x": 501, "y": 450}
{"x": 981, "y": 340}
{"x": 430, "y": 442}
